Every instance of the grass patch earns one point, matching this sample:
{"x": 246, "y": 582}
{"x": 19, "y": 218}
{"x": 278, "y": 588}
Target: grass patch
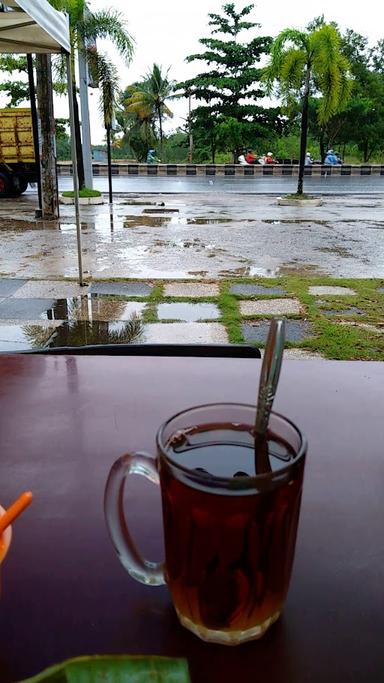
{"x": 84, "y": 193}
{"x": 342, "y": 341}
{"x": 294, "y": 195}
{"x": 230, "y": 314}
{"x": 149, "y": 314}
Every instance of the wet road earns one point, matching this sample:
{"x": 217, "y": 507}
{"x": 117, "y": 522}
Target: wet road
{"x": 320, "y": 184}
{"x": 203, "y": 236}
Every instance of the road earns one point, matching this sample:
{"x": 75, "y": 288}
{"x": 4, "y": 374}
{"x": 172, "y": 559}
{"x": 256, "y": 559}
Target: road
{"x": 183, "y": 185}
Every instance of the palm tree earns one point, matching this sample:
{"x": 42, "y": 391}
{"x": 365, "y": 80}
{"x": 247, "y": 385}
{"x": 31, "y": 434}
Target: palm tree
{"x": 138, "y": 127}
{"x": 148, "y": 98}
{"x": 305, "y": 63}
{"x": 85, "y": 28}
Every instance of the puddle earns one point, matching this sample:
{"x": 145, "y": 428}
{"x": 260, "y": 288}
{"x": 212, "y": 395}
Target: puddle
{"x": 188, "y": 312}
{"x": 339, "y": 251}
{"x": 14, "y": 225}
{"x": 147, "y": 221}
{"x": 352, "y": 310}
{"x": 160, "y": 211}
{"x": 90, "y": 307}
{"x": 81, "y": 333}
{"x": 300, "y": 269}
{"x": 295, "y": 330}
{"x": 235, "y": 272}
{"x": 93, "y": 307}
{"x": 135, "y": 203}
{"x": 293, "y": 221}
{"x": 208, "y": 221}
{"x": 24, "y": 337}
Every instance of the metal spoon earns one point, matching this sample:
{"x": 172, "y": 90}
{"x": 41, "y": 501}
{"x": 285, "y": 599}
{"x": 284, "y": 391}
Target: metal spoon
{"x": 269, "y": 377}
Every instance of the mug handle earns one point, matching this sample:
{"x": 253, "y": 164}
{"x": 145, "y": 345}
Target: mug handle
{"x": 144, "y": 571}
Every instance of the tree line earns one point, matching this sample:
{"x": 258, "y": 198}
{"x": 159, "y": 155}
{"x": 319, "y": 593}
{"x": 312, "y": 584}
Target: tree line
{"x": 327, "y": 84}
{"x": 345, "y": 103}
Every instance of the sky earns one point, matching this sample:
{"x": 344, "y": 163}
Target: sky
{"x": 167, "y": 31}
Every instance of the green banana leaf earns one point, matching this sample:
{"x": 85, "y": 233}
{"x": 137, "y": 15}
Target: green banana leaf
{"x": 115, "y": 669}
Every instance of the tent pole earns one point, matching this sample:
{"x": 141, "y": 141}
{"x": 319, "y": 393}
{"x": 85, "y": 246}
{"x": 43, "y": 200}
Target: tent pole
{"x": 35, "y": 128}
{"x": 74, "y": 169}
{"x": 108, "y": 127}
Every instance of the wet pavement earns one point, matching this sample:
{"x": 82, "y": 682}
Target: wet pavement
{"x": 169, "y": 257}
{"x": 204, "y": 237}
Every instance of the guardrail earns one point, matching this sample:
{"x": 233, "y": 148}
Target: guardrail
{"x": 258, "y": 170}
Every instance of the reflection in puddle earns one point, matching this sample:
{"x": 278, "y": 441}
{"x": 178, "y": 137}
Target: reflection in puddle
{"x": 24, "y": 337}
{"x": 14, "y": 225}
{"x": 83, "y": 332}
{"x": 157, "y": 210}
{"x": 93, "y": 307}
{"x": 208, "y": 221}
{"x": 148, "y": 221}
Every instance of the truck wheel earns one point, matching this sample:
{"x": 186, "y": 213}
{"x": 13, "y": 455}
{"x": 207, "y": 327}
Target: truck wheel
{"x": 4, "y": 185}
{"x": 19, "y": 183}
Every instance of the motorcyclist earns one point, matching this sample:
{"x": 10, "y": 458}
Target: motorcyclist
{"x": 331, "y": 158}
{"x": 151, "y": 157}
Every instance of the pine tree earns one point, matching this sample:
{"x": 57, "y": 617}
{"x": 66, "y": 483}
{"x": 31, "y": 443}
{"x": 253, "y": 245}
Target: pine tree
{"x": 232, "y": 84}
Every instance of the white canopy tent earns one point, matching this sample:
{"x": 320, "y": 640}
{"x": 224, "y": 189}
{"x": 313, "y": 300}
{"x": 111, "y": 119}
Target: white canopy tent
{"x": 33, "y": 26}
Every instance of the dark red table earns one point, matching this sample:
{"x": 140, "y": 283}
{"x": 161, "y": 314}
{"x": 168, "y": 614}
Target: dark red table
{"x": 65, "y": 419}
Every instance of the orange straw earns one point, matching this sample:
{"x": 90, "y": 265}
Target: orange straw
{"x": 15, "y": 510}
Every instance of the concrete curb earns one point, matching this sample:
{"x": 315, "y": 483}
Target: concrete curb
{"x": 82, "y": 200}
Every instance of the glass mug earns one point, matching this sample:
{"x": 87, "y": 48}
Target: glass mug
{"x": 229, "y": 534}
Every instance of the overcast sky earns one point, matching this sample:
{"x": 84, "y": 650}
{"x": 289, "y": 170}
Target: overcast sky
{"x": 166, "y": 31}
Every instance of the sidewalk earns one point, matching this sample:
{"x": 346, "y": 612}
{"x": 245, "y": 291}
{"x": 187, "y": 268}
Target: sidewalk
{"x": 336, "y": 320}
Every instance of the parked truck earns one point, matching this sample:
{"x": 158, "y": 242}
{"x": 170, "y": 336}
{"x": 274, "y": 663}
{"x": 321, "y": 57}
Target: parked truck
{"x": 17, "y": 152}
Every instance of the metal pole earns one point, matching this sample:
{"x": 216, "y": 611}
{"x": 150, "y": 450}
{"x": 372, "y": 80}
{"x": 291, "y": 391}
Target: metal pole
{"x": 74, "y": 168}
{"x": 109, "y": 162}
{"x": 190, "y": 153}
{"x": 85, "y": 126}
{"x": 35, "y": 129}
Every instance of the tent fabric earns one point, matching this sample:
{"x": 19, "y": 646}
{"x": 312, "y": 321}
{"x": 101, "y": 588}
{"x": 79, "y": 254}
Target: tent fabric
{"x": 34, "y": 27}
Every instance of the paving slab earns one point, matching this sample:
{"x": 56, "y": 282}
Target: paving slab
{"x": 185, "y": 333}
{"x": 295, "y": 330}
{"x": 322, "y": 290}
{"x": 250, "y": 290}
{"x": 190, "y": 289}
{"x": 25, "y": 309}
{"x": 49, "y": 289}
{"x": 364, "y": 326}
{"x": 188, "y": 312}
{"x": 299, "y": 354}
{"x": 121, "y": 288}
{"x": 302, "y": 354}
{"x": 351, "y": 310}
{"x": 9, "y": 286}
{"x": 271, "y": 307}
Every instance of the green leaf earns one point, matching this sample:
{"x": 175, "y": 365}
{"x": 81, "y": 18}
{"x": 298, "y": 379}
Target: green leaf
{"x": 115, "y": 669}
